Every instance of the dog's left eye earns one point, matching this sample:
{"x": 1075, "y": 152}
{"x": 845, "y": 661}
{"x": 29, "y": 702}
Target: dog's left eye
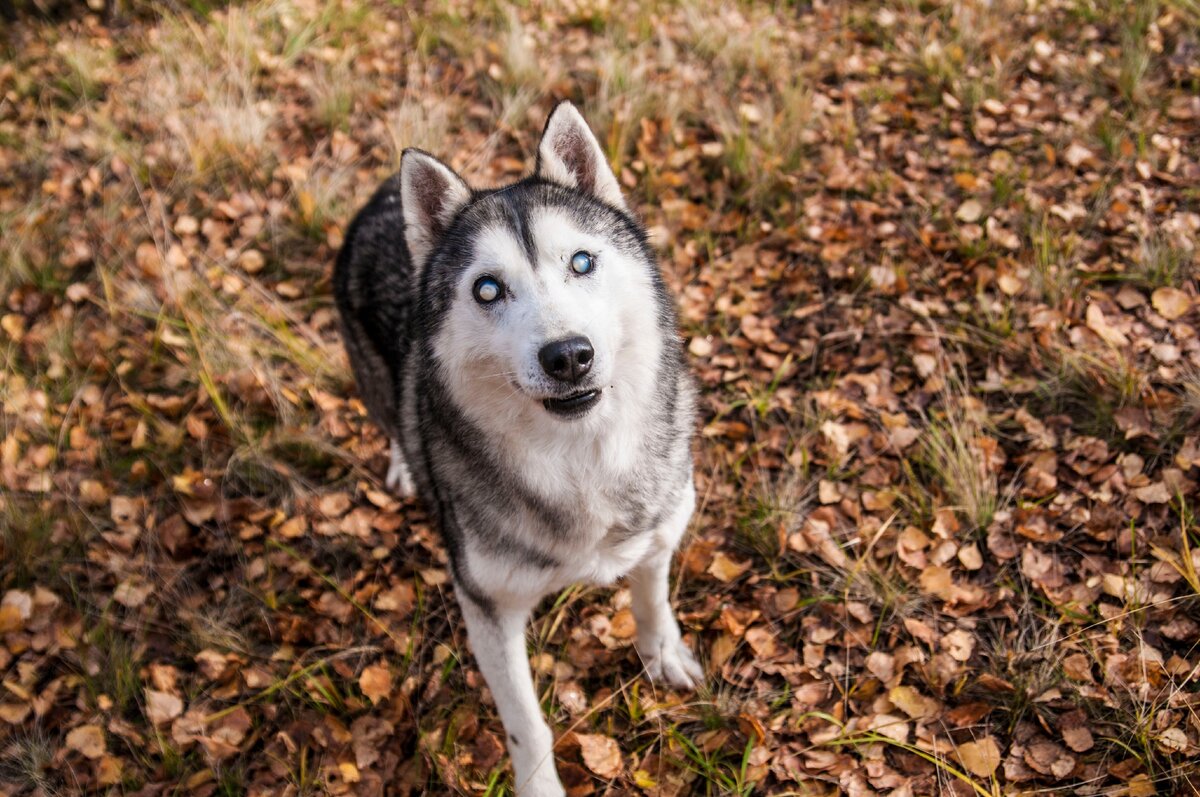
{"x": 581, "y": 262}
{"x": 488, "y": 290}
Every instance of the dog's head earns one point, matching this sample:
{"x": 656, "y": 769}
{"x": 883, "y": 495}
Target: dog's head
{"x": 541, "y": 301}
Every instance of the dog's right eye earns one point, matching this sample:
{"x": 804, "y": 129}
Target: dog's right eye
{"x": 488, "y": 290}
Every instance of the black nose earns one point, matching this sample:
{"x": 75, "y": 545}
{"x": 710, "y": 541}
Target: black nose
{"x": 567, "y": 360}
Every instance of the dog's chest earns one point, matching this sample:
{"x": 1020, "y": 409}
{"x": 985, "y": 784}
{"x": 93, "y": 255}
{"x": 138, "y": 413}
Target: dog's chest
{"x": 608, "y": 541}
{"x": 607, "y": 500}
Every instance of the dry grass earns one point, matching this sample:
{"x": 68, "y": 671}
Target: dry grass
{"x": 178, "y": 212}
{"x": 202, "y": 84}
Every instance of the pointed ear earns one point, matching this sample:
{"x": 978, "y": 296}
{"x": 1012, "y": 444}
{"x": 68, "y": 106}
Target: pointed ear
{"x": 571, "y": 156}
{"x": 430, "y": 194}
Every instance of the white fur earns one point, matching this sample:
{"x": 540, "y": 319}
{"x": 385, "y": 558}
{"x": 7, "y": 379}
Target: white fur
{"x": 399, "y": 480}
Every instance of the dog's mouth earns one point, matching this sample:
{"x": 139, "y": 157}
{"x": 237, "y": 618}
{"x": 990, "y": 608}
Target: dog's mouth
{"x": 574, "y": 405}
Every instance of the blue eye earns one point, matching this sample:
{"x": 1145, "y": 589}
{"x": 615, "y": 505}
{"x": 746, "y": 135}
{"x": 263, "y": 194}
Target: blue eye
{"x": 581, "y": 262}
{"x": 487, "y": 290}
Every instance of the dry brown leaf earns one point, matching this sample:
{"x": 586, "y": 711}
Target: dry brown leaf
{"x": 763, "y": 641}
{"x": 959, "y": 644}
{"x": 349, "y": 772}
{"x": 725, "y": 569}
{"x": 601, "y": 754}
{"x": 891, "y": 726}
{"x": 109, "y": 771}
{"x": 623, "y": 625}
{"x": 376, "y": 682}
{"x": 1099, "y": 324}
{"x": 1172, "y": 741}
{"x": 1078, "y": 738}
{"x": 969, "y": 211}
{"x": 1171, "y": 303}
{"x": 133, "y": 592}
{"x": 10, "y": 619}
{"x": 980, "y": 757}
{"x": 882, "y": 665}
{"x": 87, "y": 740}
{"x": 162, "y": 707}
{"x": 936, "y": 580}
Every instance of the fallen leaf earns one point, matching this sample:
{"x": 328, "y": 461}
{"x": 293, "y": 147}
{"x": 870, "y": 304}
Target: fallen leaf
{"x": 376, "y": 683}
{"x": 133, "y": 592}
{"x": 959, "y": 644}
{"x": 601, "y": 754}
{"x": 87, "y": 740}
{"x": 109, "y": 771}
{"x": 1078, "y": 738}
{"x": 1099, "y": 324}
{"x": 1171, "y": 303}
{"x": 1077, "y": 155}
{"x": 981, "y": 757}
{"x": 891, "y": 726}
{"x": 969, "y": 211}
{"x": 913, "y": 703}
{"x": 725, "y": 569}
{"x": 162, "y": 707}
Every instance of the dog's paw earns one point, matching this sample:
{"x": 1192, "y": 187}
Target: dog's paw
{"x": 548, "y": 788}
{"x": 543, "y": 782}
{"x": 399, "y": 480}
{"x": 671, "y": 662}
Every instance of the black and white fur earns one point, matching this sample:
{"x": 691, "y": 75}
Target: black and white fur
{"x": 539, "y": 476}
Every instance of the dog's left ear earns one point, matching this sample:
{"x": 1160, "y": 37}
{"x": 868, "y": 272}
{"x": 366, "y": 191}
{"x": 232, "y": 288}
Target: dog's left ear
{"x": 571, "y": 156}
{"x": 431, "y": 193}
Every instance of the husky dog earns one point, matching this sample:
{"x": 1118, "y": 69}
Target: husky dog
{"x": 519, "y": 348}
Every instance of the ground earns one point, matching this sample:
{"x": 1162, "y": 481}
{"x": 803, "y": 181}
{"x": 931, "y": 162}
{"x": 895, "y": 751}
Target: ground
{"x": 937, "y": 269}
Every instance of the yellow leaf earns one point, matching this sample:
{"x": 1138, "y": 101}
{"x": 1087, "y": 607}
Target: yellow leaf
{"x": 1171, "y": 303}
{"x": 10, "y": 619}
{"x": 110, "y": 770}
{"x": 308, "y": 205}
{"x": 725, "y": 569}
{"x": 623, "y": 625}
{"x": 981, "y": 757}
{"x": 643, "y": 780}
{"x": 912, "y": 702}
{"x": 349, "y": 772}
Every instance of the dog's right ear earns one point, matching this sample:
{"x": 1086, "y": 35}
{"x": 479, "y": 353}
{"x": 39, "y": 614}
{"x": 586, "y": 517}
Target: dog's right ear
{"x": 570, "y": 155}
{"x": 430, "y": 194}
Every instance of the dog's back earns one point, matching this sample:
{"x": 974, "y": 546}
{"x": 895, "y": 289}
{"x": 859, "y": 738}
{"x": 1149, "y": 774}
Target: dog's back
{"x": 374, "y": 285}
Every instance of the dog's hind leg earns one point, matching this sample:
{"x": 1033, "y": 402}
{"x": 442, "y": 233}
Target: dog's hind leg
{"x": 660, "y": 644}
{"x": 497, "y": 636}
{"x": 399, "y": 479}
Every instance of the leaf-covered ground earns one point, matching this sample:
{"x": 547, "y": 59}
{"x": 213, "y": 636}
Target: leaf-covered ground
{"x": 937, "y": 265}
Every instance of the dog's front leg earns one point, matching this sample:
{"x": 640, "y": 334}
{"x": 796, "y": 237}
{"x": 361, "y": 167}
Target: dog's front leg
{"x": 659, "y": 641}
{"x": 497, "y": 635}
{"x": 665, "y": 655}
